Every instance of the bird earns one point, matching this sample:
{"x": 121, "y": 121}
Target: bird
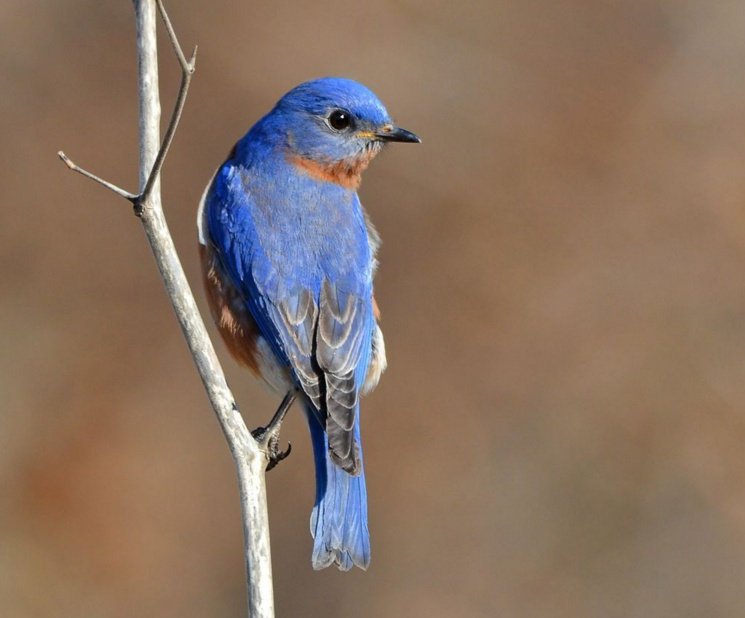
{"x": 288, "y": 258}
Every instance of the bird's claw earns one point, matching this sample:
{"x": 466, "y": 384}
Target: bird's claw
{"x": 275, "y": 455}
{"x": 268, "y": 437}
{"x": 269, "y": 443}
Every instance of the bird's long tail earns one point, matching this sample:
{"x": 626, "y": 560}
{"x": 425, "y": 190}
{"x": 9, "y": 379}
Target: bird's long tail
{"x": 339, "y": 519}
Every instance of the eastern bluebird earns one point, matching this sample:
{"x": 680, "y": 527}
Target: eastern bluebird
{"x": 288, "y": 257}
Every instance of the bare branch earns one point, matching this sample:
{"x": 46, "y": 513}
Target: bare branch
{"x": 112, "y": 187}
{"x": 250, "y": 460}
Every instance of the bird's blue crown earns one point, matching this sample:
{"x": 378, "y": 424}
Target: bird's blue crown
{"x": 321, "y": 96}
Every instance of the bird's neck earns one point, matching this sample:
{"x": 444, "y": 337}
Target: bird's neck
{"x": 346, "y": 173}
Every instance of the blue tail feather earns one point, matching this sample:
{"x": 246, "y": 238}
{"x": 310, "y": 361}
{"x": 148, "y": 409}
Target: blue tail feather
{"x": 339, "y": 519}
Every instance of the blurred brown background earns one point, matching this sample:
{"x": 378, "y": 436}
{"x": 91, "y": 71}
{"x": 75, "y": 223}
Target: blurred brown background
{"x": 560, "y": 431}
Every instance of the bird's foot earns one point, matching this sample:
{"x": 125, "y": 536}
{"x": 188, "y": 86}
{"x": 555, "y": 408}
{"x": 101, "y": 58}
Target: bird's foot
{"x": 268, "y": 437}
{"x": 269, "y": 443}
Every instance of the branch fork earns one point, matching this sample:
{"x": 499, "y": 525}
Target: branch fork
{"x": 140, "y": 200}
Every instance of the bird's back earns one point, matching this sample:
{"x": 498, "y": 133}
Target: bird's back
{"x": 294, "y": 227}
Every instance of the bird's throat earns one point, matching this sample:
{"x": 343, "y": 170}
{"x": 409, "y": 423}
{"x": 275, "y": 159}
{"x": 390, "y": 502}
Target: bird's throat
{"x": 347, "y": 173}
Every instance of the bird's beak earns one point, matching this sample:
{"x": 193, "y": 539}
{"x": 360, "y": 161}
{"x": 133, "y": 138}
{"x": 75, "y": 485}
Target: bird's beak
{"x": 397, "y": 134}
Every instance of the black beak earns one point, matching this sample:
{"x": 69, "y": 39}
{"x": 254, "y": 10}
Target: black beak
{"x": 397, "y": 134}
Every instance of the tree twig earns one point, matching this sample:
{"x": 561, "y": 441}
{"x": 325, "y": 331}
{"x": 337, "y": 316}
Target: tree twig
{"x": 187, "y": 70}
{"x": 250, "y": 460}
{"x": 76, "y": 168}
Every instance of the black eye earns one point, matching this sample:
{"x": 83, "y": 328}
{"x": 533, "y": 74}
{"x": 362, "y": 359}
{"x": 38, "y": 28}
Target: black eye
{"x": 340, "y": 120}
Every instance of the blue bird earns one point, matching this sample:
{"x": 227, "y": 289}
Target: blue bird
{"x": 288, "y": 257}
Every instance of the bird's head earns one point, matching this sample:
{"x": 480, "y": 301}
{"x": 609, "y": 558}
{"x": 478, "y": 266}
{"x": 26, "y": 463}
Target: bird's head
{"x": 333, "y": 127}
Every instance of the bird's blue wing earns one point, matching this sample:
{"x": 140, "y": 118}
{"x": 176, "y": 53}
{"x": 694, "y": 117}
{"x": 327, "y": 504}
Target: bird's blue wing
{"x": 318, "y": 323}
{"x": 286, "y": 324}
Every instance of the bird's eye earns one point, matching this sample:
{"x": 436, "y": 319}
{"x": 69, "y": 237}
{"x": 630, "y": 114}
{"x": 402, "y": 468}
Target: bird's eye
{"x": 339, "y": 120}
